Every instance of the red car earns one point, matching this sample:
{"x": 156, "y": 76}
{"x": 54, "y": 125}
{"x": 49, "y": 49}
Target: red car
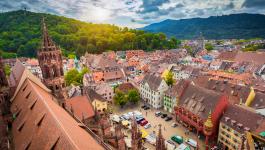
{"x": 144, "y": 122}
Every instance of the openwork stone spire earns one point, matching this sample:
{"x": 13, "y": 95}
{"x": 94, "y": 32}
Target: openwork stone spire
{"x": 47, "y": 43}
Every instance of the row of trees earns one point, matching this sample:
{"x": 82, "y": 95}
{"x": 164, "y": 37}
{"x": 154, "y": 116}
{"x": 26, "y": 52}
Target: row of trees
{"x": 20, "y": 33}
{"x": 122, "y": 99}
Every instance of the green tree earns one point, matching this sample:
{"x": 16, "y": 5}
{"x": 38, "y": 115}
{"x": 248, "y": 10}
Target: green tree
{"x": 169, "y": 78}
{"x": 208, "y": 46}
{"x": 7, "y": 70}
{"x": 72, "y": 77}
{"x": 120, "y": 98}
{"x": 133, "y": 96}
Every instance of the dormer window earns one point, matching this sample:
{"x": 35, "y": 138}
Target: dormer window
{"x": 28, "y": 95}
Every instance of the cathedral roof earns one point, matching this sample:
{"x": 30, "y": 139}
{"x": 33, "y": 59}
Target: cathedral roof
{"x": 40, "y": 123}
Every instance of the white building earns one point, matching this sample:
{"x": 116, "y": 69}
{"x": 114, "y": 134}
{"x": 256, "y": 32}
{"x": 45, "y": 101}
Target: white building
{"x": 152, "y": 90}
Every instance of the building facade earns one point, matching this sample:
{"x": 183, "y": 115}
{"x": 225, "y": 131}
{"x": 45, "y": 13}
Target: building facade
{"x": 236, "y": 121}
{"x": 152, "y": 90}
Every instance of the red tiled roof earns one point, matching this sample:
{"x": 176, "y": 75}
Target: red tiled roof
{"x": 81, "y": 107}
{"x": 238, "y": 115}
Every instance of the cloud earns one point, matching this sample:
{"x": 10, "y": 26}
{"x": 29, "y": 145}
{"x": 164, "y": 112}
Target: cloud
{"x": 149, "y": 6}
{"x": 135, "y": 13}
{"x": 254, "y": 3}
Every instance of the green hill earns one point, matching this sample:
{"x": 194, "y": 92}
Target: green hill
{"x": 234, "y": 26}
{"x": 20, "y": 33}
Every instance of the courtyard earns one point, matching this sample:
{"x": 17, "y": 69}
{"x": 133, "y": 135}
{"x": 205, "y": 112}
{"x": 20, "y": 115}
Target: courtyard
{"x": 167, "y": 130}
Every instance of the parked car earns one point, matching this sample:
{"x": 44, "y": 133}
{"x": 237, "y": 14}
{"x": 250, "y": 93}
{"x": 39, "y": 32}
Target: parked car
{"x": 174, "y": 125}
{"x": 148, "y": 125}
{"x": 178, "y": 139}
{"x": 164, "y": 116}
{"x": 143, "y": 106}
{"x": 158, "y": 113}
{"x": 168, "y": 118}
{"x": 170, "y": 145}
{"x": 192, "y": 142}
{"x": 146, "y": 108}
{"x": 139, "y": 120}
{"x": 143, "y": 122}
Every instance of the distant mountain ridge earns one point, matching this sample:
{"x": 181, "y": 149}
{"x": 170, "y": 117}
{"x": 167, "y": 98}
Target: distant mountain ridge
{"x": 238, "y": 26}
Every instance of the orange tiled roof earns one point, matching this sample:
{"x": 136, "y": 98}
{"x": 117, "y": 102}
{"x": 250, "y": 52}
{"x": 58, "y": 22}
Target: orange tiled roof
{"x": 98, "y": 76}
{"x": 81, "y": 106}
{"x": 42, "y": 124}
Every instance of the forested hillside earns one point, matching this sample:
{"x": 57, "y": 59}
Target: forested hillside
{"x": 20, "y": 33}
{"x": 234, "y": 26}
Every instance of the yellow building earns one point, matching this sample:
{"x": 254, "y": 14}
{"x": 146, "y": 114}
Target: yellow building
{"x": 234, "y": 123}
{"x": 97, "y": 100}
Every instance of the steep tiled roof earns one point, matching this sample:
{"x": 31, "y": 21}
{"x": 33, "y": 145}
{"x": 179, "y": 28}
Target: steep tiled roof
{"x": 81, "y": 107}
{"x": 42, "y": 124}
{"x": 16, "y": 73}
{"x": 153, "y": 81}
{"x": 199, "y": 100}
{"x": 234, "y": 92}
{"x": 241, "y": 119}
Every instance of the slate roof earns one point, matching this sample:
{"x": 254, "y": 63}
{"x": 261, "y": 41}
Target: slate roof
{"x": 241, "y": 119}
{"x": 153, "y": 81}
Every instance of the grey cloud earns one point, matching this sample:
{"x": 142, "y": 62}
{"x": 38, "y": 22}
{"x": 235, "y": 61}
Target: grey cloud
{"x": 254, "y": 3}
{"x": 152, "y": 5}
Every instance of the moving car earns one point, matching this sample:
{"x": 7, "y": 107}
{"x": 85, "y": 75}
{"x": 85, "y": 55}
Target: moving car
{"x": 164, "y": 116}
{"x": 178, "y": 139}
{"x": 148, "y": 125}
{"x": 143, "y": 122}
{"x": 158, "y": 113}
{"x": 168, "y": 118}
{"x": 192, "y": 142}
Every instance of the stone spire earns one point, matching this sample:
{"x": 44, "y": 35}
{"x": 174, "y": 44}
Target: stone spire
{"x": 51, "y": 64}
{"x": 47, "y": 43}
{"x": 160, "y": 141}
{"x": 136, "y": 136}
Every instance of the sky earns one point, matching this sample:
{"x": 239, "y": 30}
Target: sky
{"x": 135, "y": 13}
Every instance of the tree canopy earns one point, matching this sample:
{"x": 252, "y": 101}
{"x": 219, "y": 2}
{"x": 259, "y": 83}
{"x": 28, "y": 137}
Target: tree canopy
{"x": 75, "y": 77}
{"x": 20, "y": 33}
{"x": 133, "y": 96}
{"x": 169, "y": 78}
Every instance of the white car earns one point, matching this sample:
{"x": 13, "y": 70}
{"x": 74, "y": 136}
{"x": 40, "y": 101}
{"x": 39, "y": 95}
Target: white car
{"x": 192, "y": 142}
{"x": 148, "y": 125}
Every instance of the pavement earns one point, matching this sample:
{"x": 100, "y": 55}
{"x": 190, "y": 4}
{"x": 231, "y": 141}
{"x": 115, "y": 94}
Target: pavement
{"x": 167, "y": 130}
